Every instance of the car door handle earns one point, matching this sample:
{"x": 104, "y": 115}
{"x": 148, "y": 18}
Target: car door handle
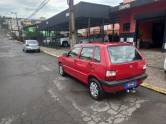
{"x": 75, "y": 60}
{"x": 91, "y": 66}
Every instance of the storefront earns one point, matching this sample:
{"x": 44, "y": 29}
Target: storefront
{"x": 142, "y": 22}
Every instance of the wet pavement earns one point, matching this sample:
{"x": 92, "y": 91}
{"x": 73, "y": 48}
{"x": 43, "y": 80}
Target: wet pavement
{"x": 32, "y": 92}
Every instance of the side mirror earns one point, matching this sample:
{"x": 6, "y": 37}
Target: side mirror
{"x": 66, "y": 54}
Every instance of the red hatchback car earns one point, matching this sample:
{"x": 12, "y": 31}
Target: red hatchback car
{"x": 104, "y": 67}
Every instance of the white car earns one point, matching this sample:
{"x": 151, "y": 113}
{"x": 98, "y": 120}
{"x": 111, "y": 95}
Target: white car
{"x": 31, "y": 45}
{"x": 165, "y": 65}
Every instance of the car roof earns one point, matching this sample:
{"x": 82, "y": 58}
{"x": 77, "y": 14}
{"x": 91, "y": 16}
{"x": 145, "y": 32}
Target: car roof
{"x": 102, "y": 44}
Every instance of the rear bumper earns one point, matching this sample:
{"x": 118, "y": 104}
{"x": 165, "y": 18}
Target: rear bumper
{"x": 32, "y": 49}
{"x": 111, "y": 86}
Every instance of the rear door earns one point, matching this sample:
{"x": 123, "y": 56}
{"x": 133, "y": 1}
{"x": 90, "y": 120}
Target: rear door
{"x": 126, "y": 61}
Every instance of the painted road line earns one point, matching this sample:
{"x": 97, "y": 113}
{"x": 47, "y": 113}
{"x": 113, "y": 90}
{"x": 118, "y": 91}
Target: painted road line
{"x": 155, "y": 88}
{"x": 146, "y": 85}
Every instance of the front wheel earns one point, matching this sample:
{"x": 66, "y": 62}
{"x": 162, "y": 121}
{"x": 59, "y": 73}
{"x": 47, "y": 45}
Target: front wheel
{"x": 38, "y": 50}
{"x": 95, "y": 89}
{"x": 61, "y": 70}
{"x": 25, "y": 51}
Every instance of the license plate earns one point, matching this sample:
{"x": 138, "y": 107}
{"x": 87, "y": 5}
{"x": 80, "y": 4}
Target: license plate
{"x": 130, "y": 85}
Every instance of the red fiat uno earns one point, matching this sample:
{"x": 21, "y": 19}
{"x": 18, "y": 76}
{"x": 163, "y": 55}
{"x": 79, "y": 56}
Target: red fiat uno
{"x": 105, "y": 67}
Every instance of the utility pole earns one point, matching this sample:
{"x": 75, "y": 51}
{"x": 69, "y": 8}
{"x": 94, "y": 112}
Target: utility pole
{"x": 72, "y": 30}
{"x": 17, "y": 23}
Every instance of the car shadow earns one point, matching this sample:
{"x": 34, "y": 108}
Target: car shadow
{"x": 107, "y": 96}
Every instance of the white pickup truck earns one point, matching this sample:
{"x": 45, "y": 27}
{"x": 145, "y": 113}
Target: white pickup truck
{"x": 64, "y": 42}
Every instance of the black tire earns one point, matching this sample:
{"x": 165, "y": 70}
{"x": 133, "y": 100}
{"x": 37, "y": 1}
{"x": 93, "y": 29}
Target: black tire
{"x": 65, "y": 44}
{"x": 165, "y": 71}
{"x": 100, "y": 93}
{"x": 38, "y": 51}
{"x": 61, "y": 70}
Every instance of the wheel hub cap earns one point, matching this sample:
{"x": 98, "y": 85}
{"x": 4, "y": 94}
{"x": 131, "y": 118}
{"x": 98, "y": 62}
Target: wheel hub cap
{"x": 94, "y": 89}
{"x": 61, "y": 70}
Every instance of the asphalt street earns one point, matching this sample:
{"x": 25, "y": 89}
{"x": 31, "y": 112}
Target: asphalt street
{"x": 32, "y": 92}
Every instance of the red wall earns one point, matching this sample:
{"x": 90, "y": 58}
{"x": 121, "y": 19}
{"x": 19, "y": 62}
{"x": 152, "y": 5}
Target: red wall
{"x": 127, "y": 16}
{"x": 146, "y": 28}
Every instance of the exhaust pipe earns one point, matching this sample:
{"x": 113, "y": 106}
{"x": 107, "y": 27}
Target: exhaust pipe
{"x": 131, "y": 90}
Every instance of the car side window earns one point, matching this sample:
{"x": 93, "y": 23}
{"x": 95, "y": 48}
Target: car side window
{"x": 87, "y": 53}
{"x": 97, "y": 56}
{"x": 74, "y": 52}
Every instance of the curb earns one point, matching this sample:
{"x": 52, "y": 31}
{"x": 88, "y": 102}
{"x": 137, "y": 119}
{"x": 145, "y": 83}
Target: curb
{"x": 154, "y": 88}
{"x": 19, "y": 42}
{"x": 49, "y": 53}
{"x": 145, "y": 85}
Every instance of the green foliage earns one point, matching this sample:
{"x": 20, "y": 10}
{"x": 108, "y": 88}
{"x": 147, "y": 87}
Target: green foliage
{"x": 32, "y": 33}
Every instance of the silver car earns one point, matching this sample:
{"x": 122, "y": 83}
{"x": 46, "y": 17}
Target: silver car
{"x": 31, "y": 45}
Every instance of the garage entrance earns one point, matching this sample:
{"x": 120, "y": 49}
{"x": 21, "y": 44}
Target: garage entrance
{"x": 151, "y": 33}
{"x": 157, "y": 34}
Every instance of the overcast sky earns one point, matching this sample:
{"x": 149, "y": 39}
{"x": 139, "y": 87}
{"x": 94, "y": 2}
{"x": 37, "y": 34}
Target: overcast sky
{"x": 25, "y": 7}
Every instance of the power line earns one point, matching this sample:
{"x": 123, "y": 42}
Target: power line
{"x": 42, "y": 4}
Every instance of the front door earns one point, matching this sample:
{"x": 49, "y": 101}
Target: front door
{"x": 69, "y": 61}
{"x": 84, "y": 63}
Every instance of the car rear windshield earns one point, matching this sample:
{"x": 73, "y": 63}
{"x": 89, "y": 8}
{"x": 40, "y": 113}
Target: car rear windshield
{"x": 32, "y": 42}
{"x": 123, "y": 54}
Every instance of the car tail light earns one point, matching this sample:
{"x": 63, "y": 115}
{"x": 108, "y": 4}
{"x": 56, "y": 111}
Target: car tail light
{"x": 144, "y": 67}
{"x": 110, "y": 73}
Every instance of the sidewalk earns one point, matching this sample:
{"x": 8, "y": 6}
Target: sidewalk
{"x": 157, "y": 78}
{"x": 154, "y": 58}
{"x": 53, "y": 52}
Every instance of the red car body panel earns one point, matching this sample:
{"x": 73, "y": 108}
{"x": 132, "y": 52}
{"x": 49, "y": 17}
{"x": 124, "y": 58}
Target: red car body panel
{"x": 83, "y": 69}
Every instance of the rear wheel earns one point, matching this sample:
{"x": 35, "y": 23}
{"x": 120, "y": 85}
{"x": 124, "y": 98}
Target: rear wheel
{"x": 65, "y": 44}
{"x": 165, "y": 71}
{"x": 95, "y": 89}
{"x": 61, "y": 70}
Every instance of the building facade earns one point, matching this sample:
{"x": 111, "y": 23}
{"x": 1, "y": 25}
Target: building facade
{"x": 142, "y": 22}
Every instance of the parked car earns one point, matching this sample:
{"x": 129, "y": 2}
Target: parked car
{"x": 31, "y": 45}
{"x": 165, "y": 65}
{"x": 105, "y": 67}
